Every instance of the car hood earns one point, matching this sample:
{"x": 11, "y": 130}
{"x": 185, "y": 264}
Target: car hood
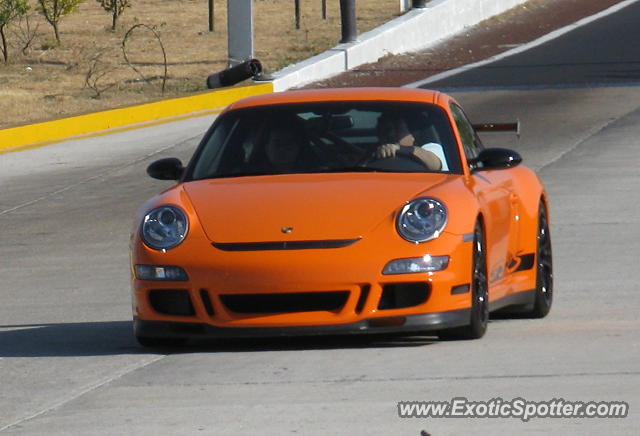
{"x": 302, "y": 207}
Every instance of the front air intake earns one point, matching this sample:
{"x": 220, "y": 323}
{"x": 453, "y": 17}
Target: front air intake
{"x": 285, "y": 303}
{"x": 401, "y": 295}
{"x": 171, "y": 302}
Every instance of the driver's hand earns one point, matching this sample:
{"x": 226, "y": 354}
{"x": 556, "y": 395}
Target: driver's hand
{"x": 387, "y": 150}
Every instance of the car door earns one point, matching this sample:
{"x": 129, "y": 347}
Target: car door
{"x": 494, "y": 191}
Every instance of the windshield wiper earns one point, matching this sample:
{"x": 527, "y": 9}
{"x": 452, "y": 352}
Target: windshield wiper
{"x": 360, "y": 169}
{"x": 351, "y": 169}
{"x": 247, "y": 174}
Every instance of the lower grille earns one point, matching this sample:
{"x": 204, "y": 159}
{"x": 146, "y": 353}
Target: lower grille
{"x": 364, "y": 293}
{"x": 171, "y": 302}
{"x": 206, "y": 302}
{"x": 285, "y": 303}
{"x": 401, "y": 295}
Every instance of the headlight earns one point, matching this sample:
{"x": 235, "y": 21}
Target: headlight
{"x": 159, "y": 272}
{"x": 164, "y": 227}
{"x": 421, "y": 220}
{"x": 413, "y": 265}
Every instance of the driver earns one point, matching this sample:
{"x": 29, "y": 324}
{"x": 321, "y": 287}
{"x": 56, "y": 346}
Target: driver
{"x": 286, "y": 149}
{"x": 282, "y": 149}
{"x": 395, "y": 138}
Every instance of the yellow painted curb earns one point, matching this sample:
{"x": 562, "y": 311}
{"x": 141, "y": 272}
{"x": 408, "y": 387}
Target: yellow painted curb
{"x": 35, "y": 135}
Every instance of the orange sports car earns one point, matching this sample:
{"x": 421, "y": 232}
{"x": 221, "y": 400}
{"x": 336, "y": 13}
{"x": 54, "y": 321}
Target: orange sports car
{"x": 371, "y": 210}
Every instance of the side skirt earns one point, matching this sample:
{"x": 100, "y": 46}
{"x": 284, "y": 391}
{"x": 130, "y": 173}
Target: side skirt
{"x": 518, "y": 300}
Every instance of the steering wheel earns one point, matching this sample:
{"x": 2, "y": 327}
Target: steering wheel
{"x": 401, "y": 161}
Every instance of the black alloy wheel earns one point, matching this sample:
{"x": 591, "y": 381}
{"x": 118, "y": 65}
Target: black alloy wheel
{"x": 479, "y": 293}
{"x": 544, "y": 267}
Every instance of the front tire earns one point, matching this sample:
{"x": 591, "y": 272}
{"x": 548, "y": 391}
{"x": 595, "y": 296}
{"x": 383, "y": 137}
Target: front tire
{"x": 479, "y": 293}
{"x": 149, "y": 342}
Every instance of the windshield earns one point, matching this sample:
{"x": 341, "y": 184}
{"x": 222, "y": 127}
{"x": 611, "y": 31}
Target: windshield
{"x": 327, "y": 137}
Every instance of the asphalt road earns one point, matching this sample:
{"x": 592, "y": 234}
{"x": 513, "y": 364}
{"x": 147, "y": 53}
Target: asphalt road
{"x": 69, "y": 364}
{"x": 604, "y": 53}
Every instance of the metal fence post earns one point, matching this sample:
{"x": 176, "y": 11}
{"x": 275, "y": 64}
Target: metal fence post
{"x": 240, "y": 30}
{"x": 297, "y": 13}
{"x": 211, "y": 20}
{"x": 348, "y": 20}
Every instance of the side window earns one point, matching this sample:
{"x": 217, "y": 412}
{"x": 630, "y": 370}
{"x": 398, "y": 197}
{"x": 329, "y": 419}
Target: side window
{"x": 470, "y": 141}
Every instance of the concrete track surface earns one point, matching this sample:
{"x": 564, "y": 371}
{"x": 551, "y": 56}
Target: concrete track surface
{"x": 69, "y": 364}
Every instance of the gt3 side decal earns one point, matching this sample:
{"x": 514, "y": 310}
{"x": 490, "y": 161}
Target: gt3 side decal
{"x": 519, "y": 262}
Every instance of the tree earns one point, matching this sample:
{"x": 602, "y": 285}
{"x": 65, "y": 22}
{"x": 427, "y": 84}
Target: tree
{"x": 116, "y": 7}
{"x": 9, "y": 11}
{"x": 54, "y": 10}
{"x": 97, "y": 70}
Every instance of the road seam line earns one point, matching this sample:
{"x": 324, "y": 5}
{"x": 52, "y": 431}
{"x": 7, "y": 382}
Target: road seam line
{"x": 91, "y": 387}
{"x": 98, "y": 176}
{"x": 593, "y": 132}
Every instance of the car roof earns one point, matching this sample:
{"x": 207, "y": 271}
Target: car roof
{"x": 342, "y": 94}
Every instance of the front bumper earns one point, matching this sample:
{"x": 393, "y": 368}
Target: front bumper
{"x": 221, "y": 282}
{"x": 408, "y": 324}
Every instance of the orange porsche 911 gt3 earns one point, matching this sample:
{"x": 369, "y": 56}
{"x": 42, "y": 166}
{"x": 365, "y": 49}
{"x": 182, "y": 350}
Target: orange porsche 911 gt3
{"x": 371, "y": 210}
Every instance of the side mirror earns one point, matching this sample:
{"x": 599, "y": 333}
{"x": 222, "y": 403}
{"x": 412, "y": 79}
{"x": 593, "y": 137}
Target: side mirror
{"x": 496, "y": 159}
{"x": 166, "y": 169}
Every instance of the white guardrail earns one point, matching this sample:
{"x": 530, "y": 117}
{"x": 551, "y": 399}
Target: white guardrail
{"x": 413, "y": 31}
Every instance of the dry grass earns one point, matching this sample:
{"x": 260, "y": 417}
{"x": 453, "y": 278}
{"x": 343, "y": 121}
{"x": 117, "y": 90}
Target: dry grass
{"x": 48, "y": 82}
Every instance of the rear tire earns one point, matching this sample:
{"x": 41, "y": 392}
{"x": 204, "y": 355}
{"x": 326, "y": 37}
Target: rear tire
{"x": 544, "y": 267}
{"x": 479, "y": 294}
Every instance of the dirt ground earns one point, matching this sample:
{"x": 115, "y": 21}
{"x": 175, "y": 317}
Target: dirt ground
{"x": 88, "y": 71}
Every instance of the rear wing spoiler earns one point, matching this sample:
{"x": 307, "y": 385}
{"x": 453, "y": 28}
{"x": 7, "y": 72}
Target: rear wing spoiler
{"x": 498, "y": 127}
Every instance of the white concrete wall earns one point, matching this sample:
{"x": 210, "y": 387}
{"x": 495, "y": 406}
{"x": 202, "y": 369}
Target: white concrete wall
{"x": 413, "y": 31}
